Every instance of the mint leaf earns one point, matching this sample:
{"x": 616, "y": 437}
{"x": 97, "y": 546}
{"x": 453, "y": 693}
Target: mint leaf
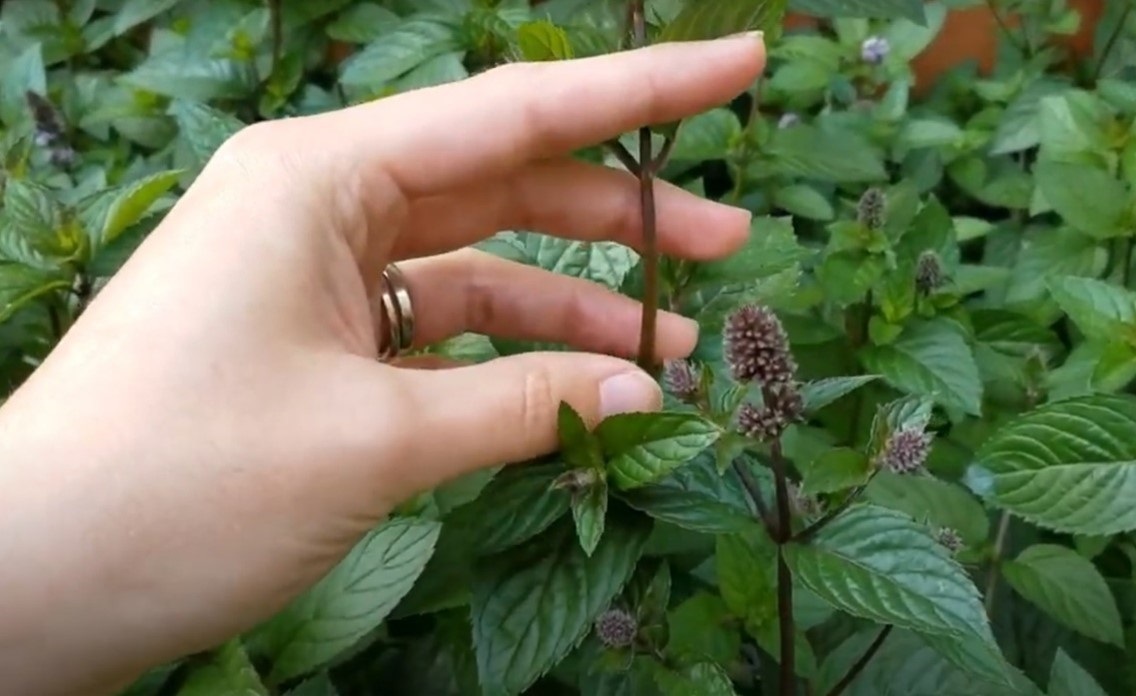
{"x": 517, "y": 505}
{"x": 203, "y": 127}
{"x": 1088, "y": 198}
{"x": 701, "y": 628}
{"x": 1068, "y": 587}
{"x": 836, "y": 470}
{"x": 706, "y": 136}
{"x": 804, "y": 201}
{"x": 350, "y": 601}
{"x": 866, "y": 9}
{"x": 316, "y": 686}
{"x": 579, "y": 447}
{"x": 530, "y": 606}
{"x": 822, "y": 392}
{"x": 642, "y": 448}
{"x": 772, "y": 248}
{"x": 1067, "y": 678}
{"x": 931, "y": 358}
{"x": 603, "y": 262}
{"x": 129, "y": 203}
{"x": 696, "y": 497}
{"x": 227, "y": 672}
{"x": 1069, "y": 466}
{"x": 746, "y": 570}
{"x": 542, "y": 40}
{"x": 852, "y": 564}
{"x": 711, "y": 19}
{"x": 704, "y": 679}
{"x": 1102, "y": 311}
{"x": 933, "y": 502}
{"x": 812, "y": 153}
{"x": 396, "y": 52}
{"x": 588, "y": 511}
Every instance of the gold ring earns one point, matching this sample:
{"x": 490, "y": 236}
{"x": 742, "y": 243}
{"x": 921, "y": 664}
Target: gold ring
{"x": 399, "y": 312}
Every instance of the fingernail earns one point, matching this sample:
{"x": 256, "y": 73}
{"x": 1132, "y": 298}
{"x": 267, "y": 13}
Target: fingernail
{"x": 752, "y": 35}
{"x": 628, "y": 392}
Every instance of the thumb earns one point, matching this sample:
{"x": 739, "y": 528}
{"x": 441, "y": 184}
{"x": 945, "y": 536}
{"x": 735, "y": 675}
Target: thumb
{"x": 506, "y": 410}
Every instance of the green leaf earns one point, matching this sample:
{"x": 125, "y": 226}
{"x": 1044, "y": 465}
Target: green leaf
{"x": 642, "y": 448}
{"x": 696, "y": 497}
{"x": 907, "y": 665}
{"x": 1088, "y": 198}
{"x": 772, "y": 248}
{"x": 881, "y": 565}
{"x": 868, "y": 9}
{"x": 579, "y": 447}
{"x": 602, "y": 262}
{"x": 350, "y": 601}
{"x": 706, "y": 136}
{"x": 20, "y": 285}
{"x": 25, "y": 73}
{"x": 396, "y": 52}
{"x": 701, "y": 629}
{"x": 362, "y": 23}
{"x": 704, "y": 679}
{"x": 1069, "y": 466}
{"x": 1068, "y": 587}
{"x": 1067, "y": 678}
{"x": 804, "y": 201}
{"x": 836, "y": 470}
{"x": 516, "y": 506}
{"x": 542, "y": 40}
{"x": 933, "y": 359}
{"x": 822, "y": 392}
{"x": 227, "y": 672}
{"x": 746, "y": 571}
{"x": 132, "y": 201}
{"x": 711, "y": 19}
{"x": 589, "y": 511}
{"x": 135, "y": 12}
{"x": 1072, "y": 122}
{"x": 532, "y": 605}
{"x": 826, "y": 155}
{"x": 933, "y": 502}
{"x": 203, "y": 127}
{"x": 1102, "y": 311}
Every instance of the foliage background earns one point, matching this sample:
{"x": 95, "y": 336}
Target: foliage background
{"x": 1015, "y": 188}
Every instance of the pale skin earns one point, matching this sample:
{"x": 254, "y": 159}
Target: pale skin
{"x": 216, "y": 432}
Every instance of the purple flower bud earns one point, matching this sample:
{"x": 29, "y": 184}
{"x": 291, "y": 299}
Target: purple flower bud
{"x": 783, "y": 406}
{"x": 928, "y": 272}
{"x": 681, "y": 379}
{"x": 871, "y": 210}
{"x": 905, "y": 451}
{"x": 803, "y": 505}
{"x": 788, "y": 119}
{"x": 874, "y": 49}
{"x": 616, "y": 628}
{"x": 949, "y": 538}
{"x": 756, "y": 347}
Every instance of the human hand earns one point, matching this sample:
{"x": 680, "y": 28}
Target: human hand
{"x": 215, "y": 432}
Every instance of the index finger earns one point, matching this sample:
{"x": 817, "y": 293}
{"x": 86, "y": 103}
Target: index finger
{"x": 432, "y": 140}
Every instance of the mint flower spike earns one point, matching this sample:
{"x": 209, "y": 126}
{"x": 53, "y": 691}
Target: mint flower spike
{"x": 682, "y": 380}
{"x": 616, "y": 628}
{"x": 871, "y": 210}
{"x": 905, "y": 451}
{"x": 756, "y": 347}
{"x": 929, "y": 273}
{"x": 783, "y": 406}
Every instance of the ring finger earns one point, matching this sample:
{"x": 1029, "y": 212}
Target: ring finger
{"x": 473, "y": 291}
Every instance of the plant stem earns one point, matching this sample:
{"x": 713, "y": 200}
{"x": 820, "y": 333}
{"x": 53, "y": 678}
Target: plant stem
{"x": 1023, "y": 48}
{"x": 1126, "y": 260}
{"x": 999, "y": 544}
{"x": 855, "y": 670}
{"x": 1111, "y": 42}
{"x": 276, "y": 17}
{"x": 647, "y": 206}
{"x": 784, "y": 577}
{"x": 625, "y": 158}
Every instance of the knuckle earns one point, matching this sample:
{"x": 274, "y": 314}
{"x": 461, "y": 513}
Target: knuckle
{"x": 539, "y": 404}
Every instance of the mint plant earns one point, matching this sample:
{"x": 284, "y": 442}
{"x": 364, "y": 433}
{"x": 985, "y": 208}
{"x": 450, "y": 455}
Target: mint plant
{"x": 899, "y": 459}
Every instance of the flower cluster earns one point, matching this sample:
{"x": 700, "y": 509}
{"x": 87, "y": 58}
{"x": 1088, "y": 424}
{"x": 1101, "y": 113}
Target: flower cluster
{"x": 803, "y": 504}
{"x": 757, "y": 348}
{"x": 50, "y": 131}
{"x": 616, "y": 628}
{"x": 928, "y": 272}
{"x": 783, "y": 406}
{"x": 874, "y": 49}
{"x": 905, "y": 451}
{"x": 682, "y": 380}
{"x": 949, "y": 538}
{"x": 871, "y": 210}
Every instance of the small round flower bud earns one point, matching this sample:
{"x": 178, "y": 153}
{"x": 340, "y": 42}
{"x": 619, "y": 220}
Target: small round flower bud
{"x": 682, "y": 380}
{"x": 928, "y": 272}
{"x": 616, "y": 628}
{"x": 871, "y": 210}
{"x": 783, "y": 406}
{"x": 949, "y": 538}
{"x": 788, "y": 119}
{"x": 906, "y": 451}
{"x": 576, "y": 482}
{"x": 874, "y": 49}
{"x": 757, "y": 347}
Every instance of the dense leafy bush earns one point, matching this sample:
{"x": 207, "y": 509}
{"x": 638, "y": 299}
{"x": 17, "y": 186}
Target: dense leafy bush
{"x": 901, "y": 458}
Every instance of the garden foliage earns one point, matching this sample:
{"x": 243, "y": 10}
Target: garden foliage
{"x": 902, "y": 459}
